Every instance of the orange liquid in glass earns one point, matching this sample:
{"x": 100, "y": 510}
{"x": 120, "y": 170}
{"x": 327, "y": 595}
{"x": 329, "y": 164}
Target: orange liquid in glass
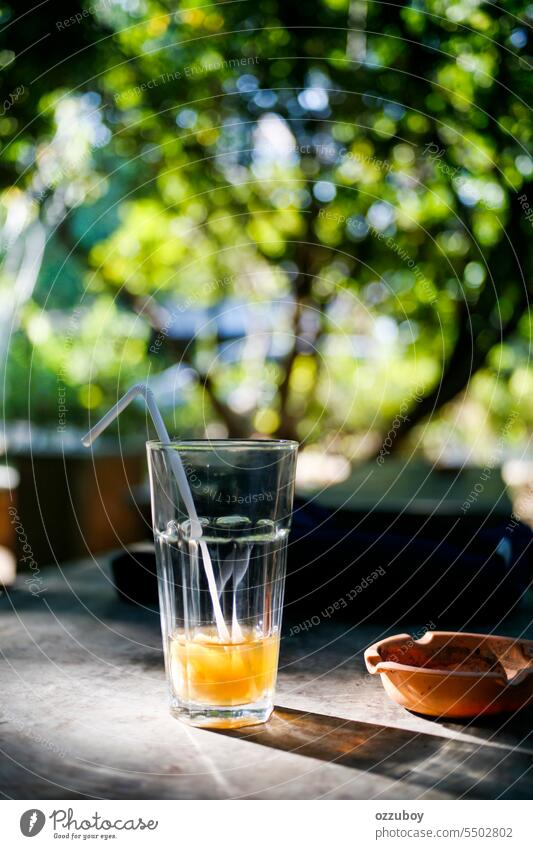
{"x": 207, "y": 671}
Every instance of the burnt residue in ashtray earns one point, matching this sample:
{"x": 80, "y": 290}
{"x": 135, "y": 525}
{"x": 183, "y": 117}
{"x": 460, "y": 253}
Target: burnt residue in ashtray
{"x": 447, "y": 658}
{"x": 495, "y": 656}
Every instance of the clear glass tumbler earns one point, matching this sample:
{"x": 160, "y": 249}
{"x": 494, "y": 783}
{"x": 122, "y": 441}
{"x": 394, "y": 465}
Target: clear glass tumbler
{"x": 222, "y": 663}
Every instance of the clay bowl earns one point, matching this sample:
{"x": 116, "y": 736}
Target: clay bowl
{"x": 455, "y": 675}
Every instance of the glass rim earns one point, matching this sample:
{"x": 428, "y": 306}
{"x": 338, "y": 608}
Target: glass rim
{"x": 208, "y": 444}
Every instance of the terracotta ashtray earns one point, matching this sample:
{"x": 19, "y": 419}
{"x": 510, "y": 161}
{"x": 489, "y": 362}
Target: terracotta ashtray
{"x": 451, "y": 674}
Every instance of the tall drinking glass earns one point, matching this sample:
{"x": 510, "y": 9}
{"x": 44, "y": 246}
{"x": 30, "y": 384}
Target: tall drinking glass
{"x": 222, "y": 669}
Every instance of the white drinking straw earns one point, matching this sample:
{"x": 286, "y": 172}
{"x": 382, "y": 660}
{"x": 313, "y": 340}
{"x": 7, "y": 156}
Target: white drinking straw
{"x": 181, "y": 479}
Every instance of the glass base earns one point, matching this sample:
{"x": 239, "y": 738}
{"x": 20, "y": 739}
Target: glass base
{"x": 211, "y": 716}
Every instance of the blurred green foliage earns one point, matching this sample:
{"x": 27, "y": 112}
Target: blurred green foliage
{"x": 362, "y": 161}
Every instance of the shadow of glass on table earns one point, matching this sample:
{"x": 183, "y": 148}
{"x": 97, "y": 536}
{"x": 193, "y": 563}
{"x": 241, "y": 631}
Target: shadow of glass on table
{"x": 434, "y": 763}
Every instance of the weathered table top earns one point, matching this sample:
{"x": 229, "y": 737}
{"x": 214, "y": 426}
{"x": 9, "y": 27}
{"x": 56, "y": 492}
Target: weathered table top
{"x": 84, "y": 715}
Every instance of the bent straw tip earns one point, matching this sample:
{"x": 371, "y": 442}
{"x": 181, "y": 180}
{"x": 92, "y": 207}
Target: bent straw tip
{"x": 141, "y": 389}
{"x": 87, "y": 440}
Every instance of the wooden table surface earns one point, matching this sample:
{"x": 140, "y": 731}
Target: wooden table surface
{"x": 84, "y": 714}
